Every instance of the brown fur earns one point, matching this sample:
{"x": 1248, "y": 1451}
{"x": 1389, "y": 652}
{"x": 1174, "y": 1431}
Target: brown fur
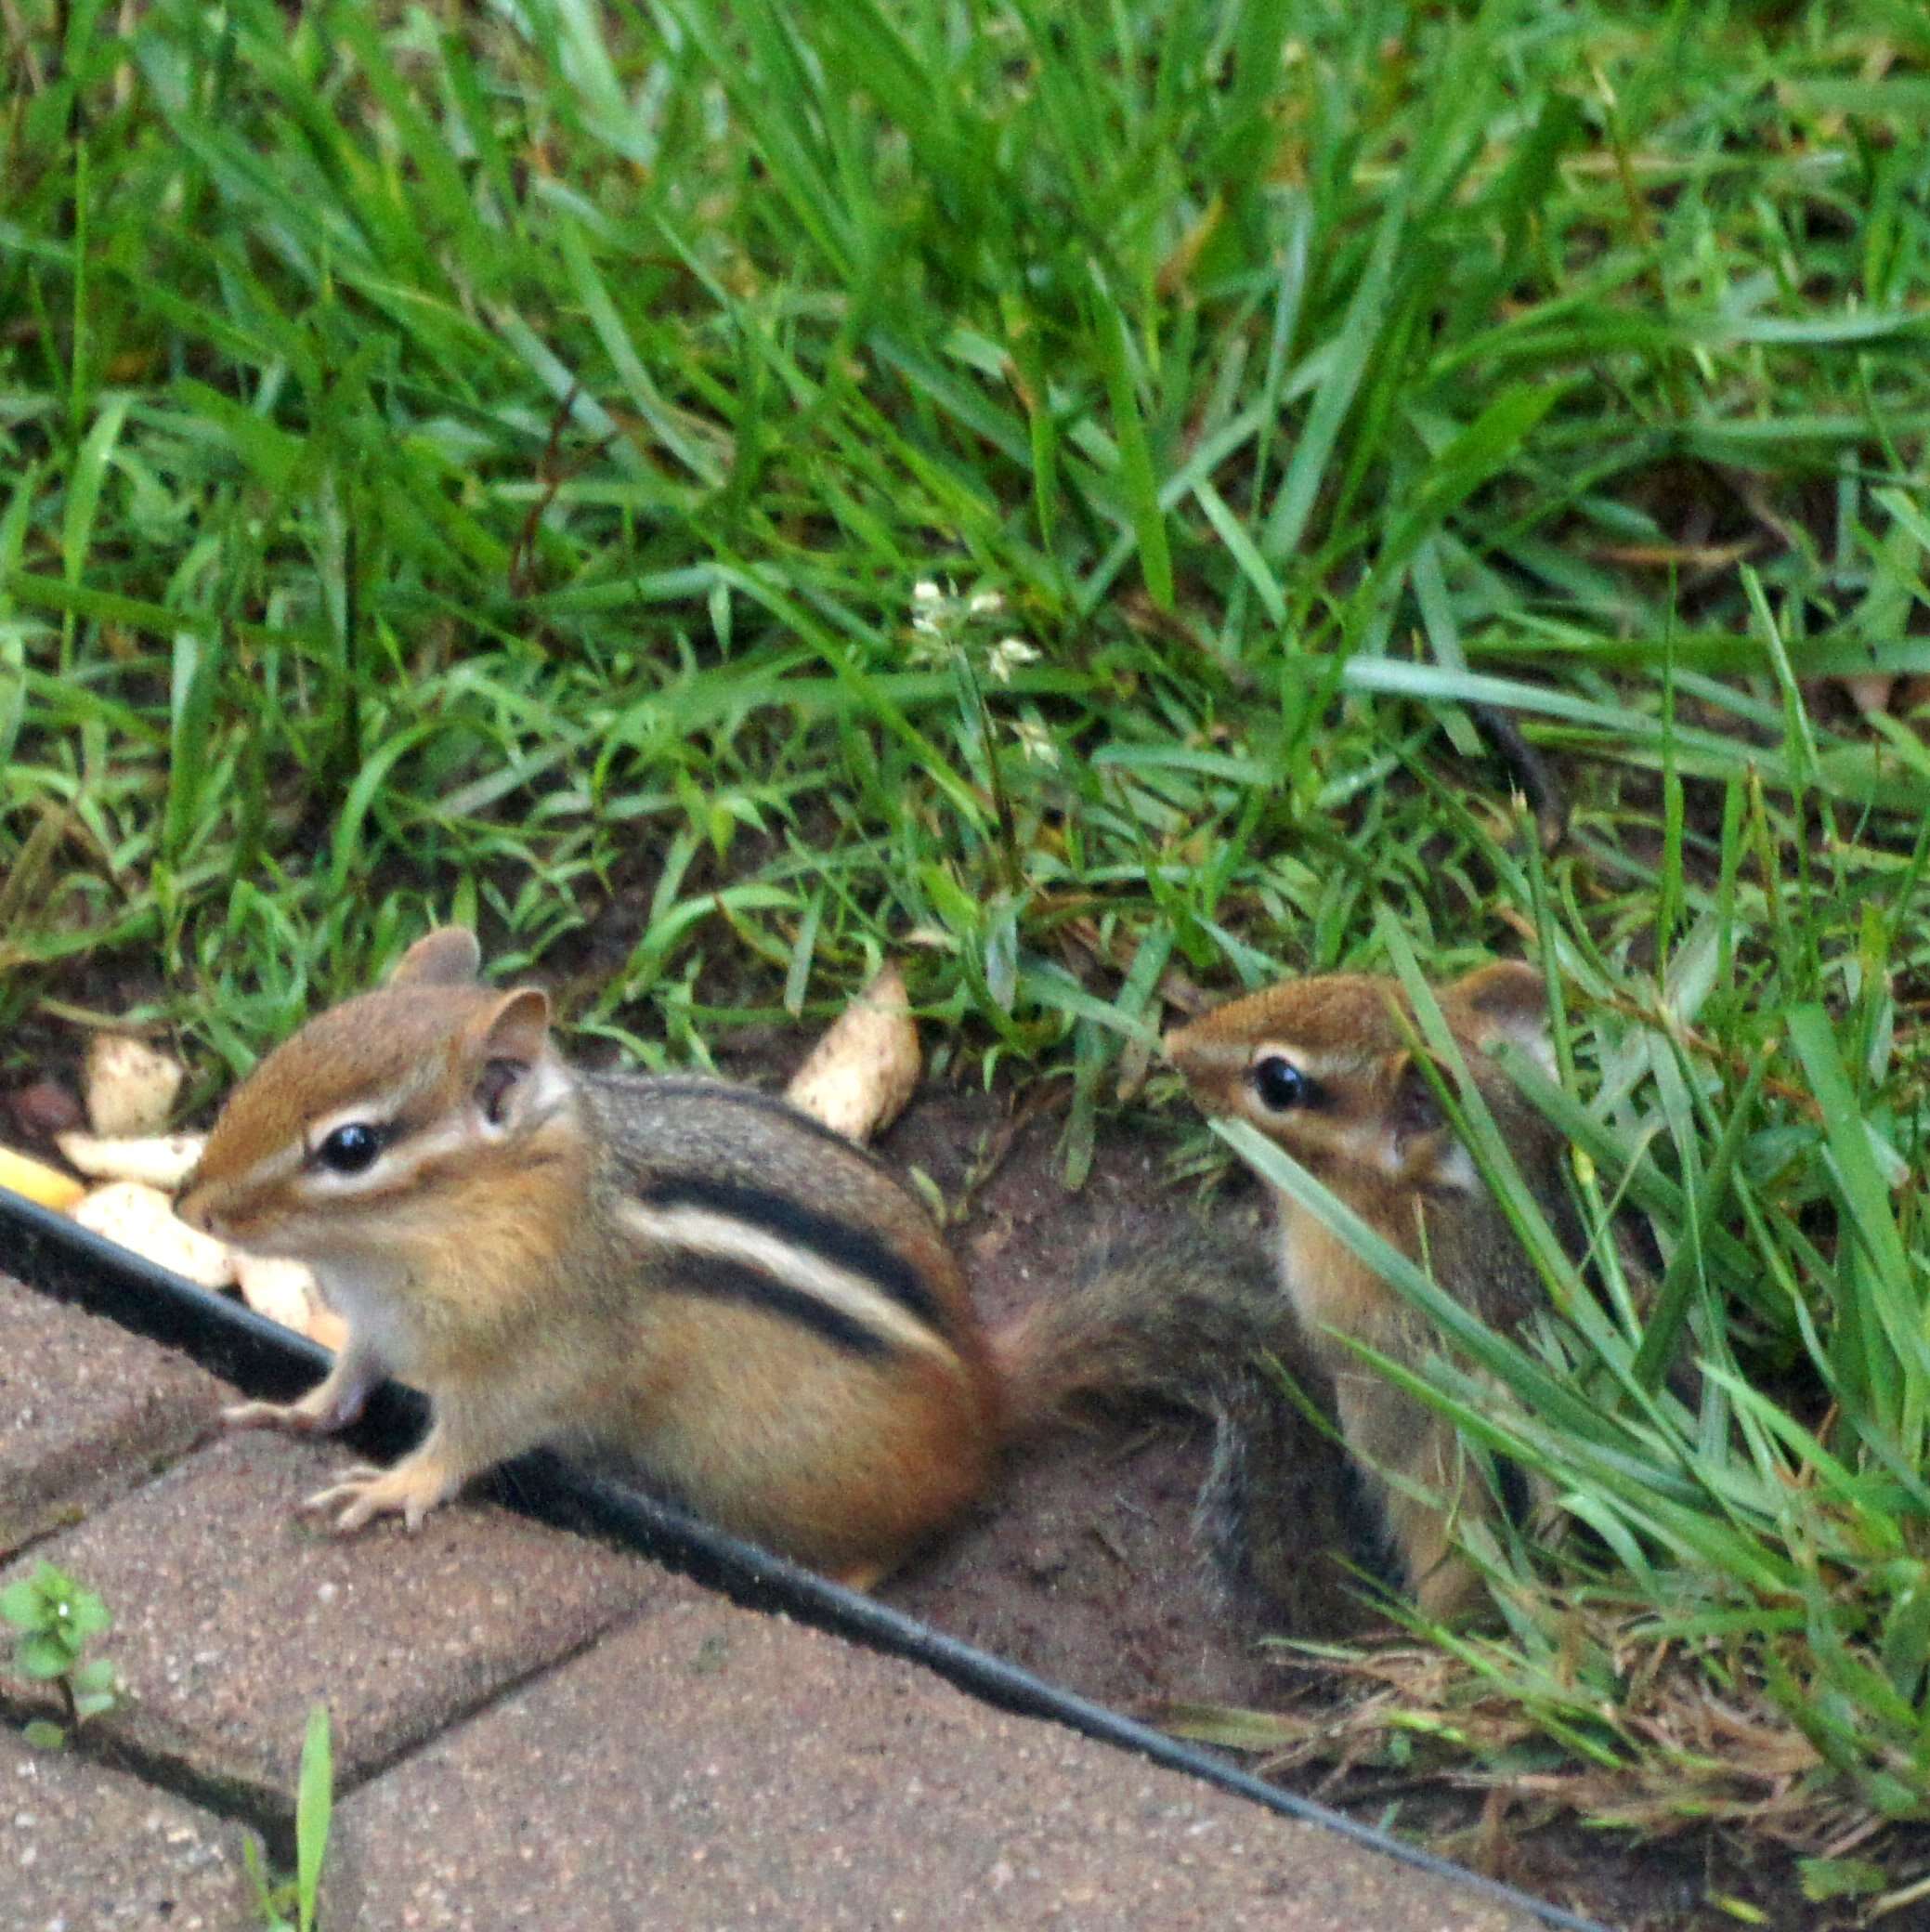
{"x": 838, "y": 1463}
{"x": 495, "y": 1272}
{"x": 1374, "y": 1137}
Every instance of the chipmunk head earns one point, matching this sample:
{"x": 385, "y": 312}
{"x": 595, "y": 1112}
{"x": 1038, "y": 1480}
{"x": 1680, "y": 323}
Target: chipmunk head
{"x": 377, "y": 1110}
{"x": 1324, "y": 1067}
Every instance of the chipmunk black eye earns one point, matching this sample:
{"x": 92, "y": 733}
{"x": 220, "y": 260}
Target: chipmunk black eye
{"x": 1279, "y": 1083}
{"x": 351, "y": 1149}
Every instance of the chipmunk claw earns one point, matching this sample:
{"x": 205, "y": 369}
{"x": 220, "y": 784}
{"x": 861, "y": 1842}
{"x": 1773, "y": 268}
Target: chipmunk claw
{"x": 362, "y": 1494}
{"x": 353, "y": 1497}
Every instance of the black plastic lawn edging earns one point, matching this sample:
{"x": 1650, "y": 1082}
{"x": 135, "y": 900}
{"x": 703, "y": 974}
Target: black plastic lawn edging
{"x": 50, "y": 1253}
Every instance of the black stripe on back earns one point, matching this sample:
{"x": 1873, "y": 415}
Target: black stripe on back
{"x": 724, "y": 1280}
{"x": 838, "y": 1241}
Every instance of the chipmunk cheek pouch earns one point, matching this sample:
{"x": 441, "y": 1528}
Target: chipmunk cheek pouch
{"x": 52, "y": 1255}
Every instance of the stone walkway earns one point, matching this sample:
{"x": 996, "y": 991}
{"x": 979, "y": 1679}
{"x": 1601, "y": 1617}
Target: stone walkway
{"x": 535, "y": 1733}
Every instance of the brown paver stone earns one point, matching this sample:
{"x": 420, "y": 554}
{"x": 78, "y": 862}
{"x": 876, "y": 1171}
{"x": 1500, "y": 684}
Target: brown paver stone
{"x": 708, "y": 1768}
{"x": 231, "y": 1616}
{"x": 83, "y": 1849}
{"x": 87, "y": 1410}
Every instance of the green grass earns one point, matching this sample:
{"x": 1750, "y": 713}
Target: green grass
{"x": 479, "y": 462}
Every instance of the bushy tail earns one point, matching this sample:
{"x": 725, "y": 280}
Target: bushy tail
{"x": 1200, "y": 1322}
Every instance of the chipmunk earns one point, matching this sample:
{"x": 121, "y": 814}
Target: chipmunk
{"x": 700, "y": 1281}
{"x": 1324, "y": 1067}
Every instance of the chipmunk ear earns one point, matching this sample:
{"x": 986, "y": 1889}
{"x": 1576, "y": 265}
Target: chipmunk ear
{"x": 506, "y": 1045}
{"x": 516, "y": 1027}
{"x": 1507, "y": 1001}
{"x": 447, "y": 957}
{"x": 1412, "y": 1109}
{"x": 1420, "y": 1150}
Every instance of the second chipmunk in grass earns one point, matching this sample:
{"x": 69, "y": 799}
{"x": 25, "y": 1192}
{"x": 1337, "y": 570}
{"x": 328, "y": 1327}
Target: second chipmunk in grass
{"x": 760, "y": 1317}
{"x": 1326, "y": 1068}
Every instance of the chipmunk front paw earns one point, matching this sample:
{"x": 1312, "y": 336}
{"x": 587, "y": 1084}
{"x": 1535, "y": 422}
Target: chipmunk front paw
{"x": 328, "y": 1407}
{"x": 290, "y": 1416}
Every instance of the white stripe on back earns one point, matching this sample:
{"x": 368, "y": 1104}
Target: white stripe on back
{"x": 705, "y": 1231}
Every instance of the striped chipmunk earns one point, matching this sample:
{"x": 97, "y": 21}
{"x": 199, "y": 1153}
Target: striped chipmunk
{"x": 1324, "y": 1067}
{"x": 704, "y": 1285}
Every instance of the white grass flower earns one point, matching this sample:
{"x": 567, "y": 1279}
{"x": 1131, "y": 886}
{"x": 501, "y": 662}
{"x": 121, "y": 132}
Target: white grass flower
{"x": 1036, "y": 743}
{"x": 1007, "y": 656}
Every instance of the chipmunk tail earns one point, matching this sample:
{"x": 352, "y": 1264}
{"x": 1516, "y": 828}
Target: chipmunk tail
{"x": 1177, "y": 1318}
{"x": 1199, "y": 1322}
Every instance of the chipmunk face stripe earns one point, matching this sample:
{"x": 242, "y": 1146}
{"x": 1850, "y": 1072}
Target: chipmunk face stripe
{"x": 725, "y": 1279}
{"x": 376, "y": 1109}
{"x": 276, "y": 1166}
{"x": 403, "y": 1155}
{"x": 796, "y": 1269}
{"x": 841, "y": 1244}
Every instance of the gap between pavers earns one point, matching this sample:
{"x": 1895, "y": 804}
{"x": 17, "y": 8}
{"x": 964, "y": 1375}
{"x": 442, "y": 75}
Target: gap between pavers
{"x": 709, "y": 1766}
{"x": 232, "y": 1616}
{"x": 85, "y": 1850}
{"x": 86, "y": 1411}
